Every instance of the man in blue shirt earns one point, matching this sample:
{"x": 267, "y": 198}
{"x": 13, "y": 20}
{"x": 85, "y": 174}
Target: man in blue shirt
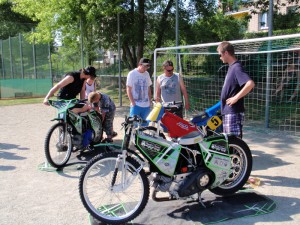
{"x": 237, "y": 84}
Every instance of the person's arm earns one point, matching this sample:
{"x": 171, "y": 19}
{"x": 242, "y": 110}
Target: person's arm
{"x": 245, "y": 90}
{"x": 64, "y": 82}
{"x": 297, "y": 87}
{"x": 149, "y": 94}
{"x": 129, "y": 94}
{"x": 82, "y": 92}
{"x": 184, "y": 93}
{"x": 158, "y": 91}
{"x": 103, "y": 115}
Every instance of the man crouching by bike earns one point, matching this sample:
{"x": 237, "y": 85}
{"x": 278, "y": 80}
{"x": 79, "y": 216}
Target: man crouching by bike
{"x": 103, "y": 104}
{"x": 72, "y": 84}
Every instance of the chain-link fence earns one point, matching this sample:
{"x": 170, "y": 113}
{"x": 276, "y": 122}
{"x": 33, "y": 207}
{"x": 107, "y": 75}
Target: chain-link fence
{"x": 25, "y": 69}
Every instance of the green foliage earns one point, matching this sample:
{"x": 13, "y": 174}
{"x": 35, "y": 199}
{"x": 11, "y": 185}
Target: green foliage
{"x": 286, "y": 21}
{"x": 13, "y": 23}
{"x": 144, "y": 25}
{"x": 217, "y": 28}
{"x": 275, "y": 33}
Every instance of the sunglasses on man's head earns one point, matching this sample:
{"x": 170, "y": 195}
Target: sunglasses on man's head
{"x": 170, "y": 70}
{"x": 146, "y": 65}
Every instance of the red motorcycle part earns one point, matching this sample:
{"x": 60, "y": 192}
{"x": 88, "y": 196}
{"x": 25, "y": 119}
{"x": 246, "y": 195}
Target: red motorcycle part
{"x": 177, "y": 127}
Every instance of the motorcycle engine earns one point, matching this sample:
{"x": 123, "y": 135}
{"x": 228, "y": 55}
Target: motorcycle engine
{"x": 183, "y": 185}
{"x": 194, "y": 183}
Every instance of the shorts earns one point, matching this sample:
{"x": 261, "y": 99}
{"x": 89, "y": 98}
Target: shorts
{"x": 233, "y": 124}
{"x": 143, "y": 112}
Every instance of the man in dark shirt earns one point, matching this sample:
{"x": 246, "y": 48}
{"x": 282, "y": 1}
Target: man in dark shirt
{"x": 237, "y": 84}
{"x": 71, "y": 86}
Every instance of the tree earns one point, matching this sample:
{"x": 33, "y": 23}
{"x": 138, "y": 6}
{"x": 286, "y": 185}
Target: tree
{"x": 12, "y": 23}
{"x": 218, "y": 27}
{"x": 290, "y": 20}
{"x": 145, "y": 25}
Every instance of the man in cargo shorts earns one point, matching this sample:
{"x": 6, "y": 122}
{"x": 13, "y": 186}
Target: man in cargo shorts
{"x": 237, "y": 84}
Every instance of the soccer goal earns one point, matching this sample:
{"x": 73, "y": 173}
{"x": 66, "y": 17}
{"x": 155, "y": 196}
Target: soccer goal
{"x": 272, "y": 62}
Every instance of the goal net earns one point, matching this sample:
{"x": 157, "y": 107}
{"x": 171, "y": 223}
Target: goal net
{"x": 271, "y": 62}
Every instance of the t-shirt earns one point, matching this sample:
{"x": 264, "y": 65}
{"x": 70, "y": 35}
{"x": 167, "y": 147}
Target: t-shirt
{"x": 235, "y": 79}
{"x": 71, "y": 90}
{"x": 89, "y": 89}
{"x": 170, "y": 88}
{"x": 140, "y": 82}
{"x": 106, "y": 104}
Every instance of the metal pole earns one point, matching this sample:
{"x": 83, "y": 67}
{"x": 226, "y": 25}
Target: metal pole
{"x": 269, "y": 62}
{"x": 81, "y": 44}
{"x": 21, "y": 55}
{"x": 34, "y": 59}
{"x": 119, "y": 56}
{"x": 177, "y": 36}
{"x": 2, "y": 59}
{"x": 50, "y": 64}
{"x": 11, "y": 59}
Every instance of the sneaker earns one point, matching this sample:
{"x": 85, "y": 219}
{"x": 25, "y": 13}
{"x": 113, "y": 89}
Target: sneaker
{"x": 114, "y": 134}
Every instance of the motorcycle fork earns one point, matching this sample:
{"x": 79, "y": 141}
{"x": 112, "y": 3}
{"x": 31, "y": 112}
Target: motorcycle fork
{"x": 64, "y": 138}
{"x": 125, "y": 180}
{"x": 121, "y": 160}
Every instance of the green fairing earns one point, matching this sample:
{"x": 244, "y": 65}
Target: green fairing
{"x": 165, "y": 163}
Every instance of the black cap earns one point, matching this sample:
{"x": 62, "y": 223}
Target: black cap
{"x": 90, "y": 71}
{"x": 144, "y": 61}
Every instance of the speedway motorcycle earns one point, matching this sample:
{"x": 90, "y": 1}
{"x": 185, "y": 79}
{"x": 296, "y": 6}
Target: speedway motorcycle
{"x": 115, "y": 187}
{"x": 72, "y": 132}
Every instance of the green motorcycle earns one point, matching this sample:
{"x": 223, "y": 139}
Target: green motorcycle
{"x": 114, "y": 187}
{"x": 72, "y": 132}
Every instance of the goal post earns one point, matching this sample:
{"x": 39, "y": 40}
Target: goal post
{"x": 267, "y": 60}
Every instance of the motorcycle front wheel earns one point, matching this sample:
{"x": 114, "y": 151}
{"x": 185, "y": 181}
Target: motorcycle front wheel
{"x": 110, "y": 195}
{"x": 241, "y": 166}
{"x": 58, "y": 145}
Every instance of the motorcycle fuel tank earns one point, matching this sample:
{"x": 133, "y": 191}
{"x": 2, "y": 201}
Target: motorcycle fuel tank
{"x": 163, "y": 153}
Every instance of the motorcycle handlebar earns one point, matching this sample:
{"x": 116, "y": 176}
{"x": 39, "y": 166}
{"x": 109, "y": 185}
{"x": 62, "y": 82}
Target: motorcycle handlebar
{"x": 173, "y": 104}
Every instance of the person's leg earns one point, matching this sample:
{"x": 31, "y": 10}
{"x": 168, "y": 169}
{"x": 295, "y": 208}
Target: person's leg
{"x": 107, "y": 128}
{"x": 233, "y": 124}
{"x": 134, "y": 110}
{"x": 109, "y": 119}
{"x": 144, "y": 113}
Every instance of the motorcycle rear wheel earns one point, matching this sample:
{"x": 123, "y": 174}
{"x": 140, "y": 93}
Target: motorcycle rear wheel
{"x": 241, "y": 164}
{"x": 115, "y": 204}
{"x": 57, "y": 151}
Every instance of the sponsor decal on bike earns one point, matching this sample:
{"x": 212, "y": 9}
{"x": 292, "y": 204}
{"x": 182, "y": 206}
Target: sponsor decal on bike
{"x": 150, "y": 146}
{"x": 182, "y": 125}
{"x": 218, "y": 148}
{"x": 220, "y": 161}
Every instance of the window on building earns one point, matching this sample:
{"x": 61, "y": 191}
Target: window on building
{"x": 263, "y": 22}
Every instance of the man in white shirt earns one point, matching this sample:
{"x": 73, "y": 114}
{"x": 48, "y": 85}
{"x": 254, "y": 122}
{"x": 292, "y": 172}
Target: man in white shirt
{"x": 138, "y": 89}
